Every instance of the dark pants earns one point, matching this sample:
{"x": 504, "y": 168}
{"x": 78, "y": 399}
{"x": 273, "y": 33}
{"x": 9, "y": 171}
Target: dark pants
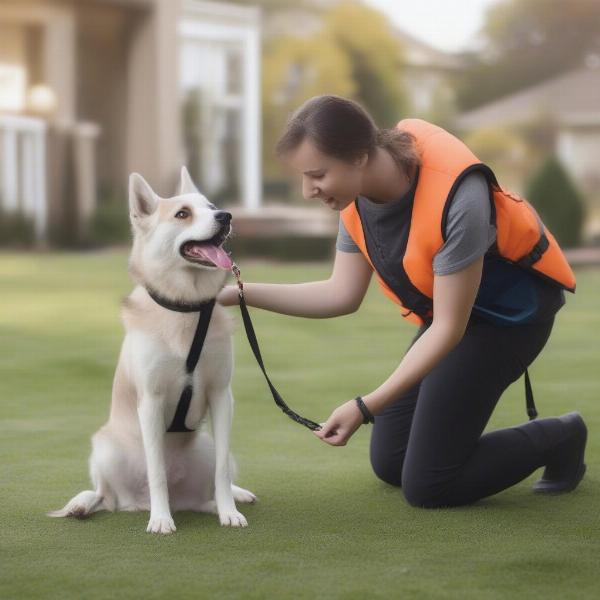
{"x": 430, "y": 440}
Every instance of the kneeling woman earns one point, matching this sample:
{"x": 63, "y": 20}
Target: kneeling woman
{"x": 469, "y": 263}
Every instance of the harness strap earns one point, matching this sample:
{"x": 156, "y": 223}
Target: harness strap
{"x": 205, "y": 309}
{"x": 531, "y": 410}
{"x": 178, "y": 306}
{"x": 178, "y": 423}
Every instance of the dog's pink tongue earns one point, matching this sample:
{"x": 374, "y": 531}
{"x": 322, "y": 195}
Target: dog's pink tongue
{"x": 215, "y": 254}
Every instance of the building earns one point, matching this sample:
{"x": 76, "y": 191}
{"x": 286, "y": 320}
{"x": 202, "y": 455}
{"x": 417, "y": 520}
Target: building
{"x": 428, "y": 75}
{"x": 571, "y": 104}
{"x": 91, "y": 90}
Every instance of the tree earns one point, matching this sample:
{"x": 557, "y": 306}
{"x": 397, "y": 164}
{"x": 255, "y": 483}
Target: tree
{"x": 366, "y": 38}
{"x": 354, "y": 54}
{"x": 528, "y": 41}
{"x": 295, "y": 69}
{"x": 558, "y": 202}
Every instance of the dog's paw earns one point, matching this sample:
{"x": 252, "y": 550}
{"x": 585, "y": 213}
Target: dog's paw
{"x": 162, "y": 524}
{"x": 233, "y": 518}
{"x": 242, "y": 495}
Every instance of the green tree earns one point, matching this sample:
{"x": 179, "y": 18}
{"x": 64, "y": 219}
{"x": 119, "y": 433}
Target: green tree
{"x": 558, "y": 202}
{"x": 354, "y": 54}
{"x": 366, "y": 38}
{"x": 528, "y": 41}
{"x": 295, "y": 69}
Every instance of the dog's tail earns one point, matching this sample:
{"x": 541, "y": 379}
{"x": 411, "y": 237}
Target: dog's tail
{"x": 81, "y": 506}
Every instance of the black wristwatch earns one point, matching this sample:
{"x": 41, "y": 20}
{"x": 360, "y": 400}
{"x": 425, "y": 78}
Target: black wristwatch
{"x": 367, "y": 416}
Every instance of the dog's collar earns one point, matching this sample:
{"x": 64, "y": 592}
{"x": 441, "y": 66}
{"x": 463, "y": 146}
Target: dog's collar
{"x": 184, "y": 307}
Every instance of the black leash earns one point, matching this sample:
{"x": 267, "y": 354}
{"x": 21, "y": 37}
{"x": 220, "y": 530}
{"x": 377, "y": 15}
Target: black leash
{"x": 256, "y": 350}
{"x": 205, "y": 309}
{"x": 531, "y": 410}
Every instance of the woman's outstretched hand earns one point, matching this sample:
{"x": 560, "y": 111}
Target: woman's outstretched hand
{"x": 228, "y": 296}
{"x": 342, "y": 423}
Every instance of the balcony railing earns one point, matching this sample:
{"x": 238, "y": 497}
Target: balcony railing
{"x": 23, "y": 181}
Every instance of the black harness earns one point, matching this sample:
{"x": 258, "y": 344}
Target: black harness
{"x": 205, "y": 309}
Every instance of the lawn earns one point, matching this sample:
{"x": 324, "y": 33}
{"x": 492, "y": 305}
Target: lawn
{"x": 324, "y": 526}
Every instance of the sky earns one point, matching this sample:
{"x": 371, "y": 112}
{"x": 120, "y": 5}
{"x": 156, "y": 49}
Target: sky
{"x": 449, "y": 25}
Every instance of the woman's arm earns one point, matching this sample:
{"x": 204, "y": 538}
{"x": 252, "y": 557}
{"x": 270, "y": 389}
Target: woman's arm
{"x": 341, "y": 294}
{"x": 453, "y": 298}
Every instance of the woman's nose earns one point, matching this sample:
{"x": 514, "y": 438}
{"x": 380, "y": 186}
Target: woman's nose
{"x": 309, "y": 191}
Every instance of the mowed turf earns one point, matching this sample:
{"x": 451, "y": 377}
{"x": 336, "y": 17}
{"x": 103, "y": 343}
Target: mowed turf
{"x": 324, "y": 526}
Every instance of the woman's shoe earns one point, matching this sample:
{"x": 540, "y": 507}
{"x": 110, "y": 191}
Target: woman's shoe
{"x": 565, "y": 468}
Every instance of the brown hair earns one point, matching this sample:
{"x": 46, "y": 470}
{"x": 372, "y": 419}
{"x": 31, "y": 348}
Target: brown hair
{"x": 342, "y": 128}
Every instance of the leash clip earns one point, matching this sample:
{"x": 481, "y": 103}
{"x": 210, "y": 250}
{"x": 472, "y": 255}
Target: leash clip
{"x": 238, "y": 275}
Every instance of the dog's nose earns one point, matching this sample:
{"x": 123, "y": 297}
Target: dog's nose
{"x": 223, "y": 217}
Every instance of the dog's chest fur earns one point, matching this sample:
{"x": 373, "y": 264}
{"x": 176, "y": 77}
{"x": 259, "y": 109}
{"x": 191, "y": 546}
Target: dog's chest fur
{"x": 158, "y": 343}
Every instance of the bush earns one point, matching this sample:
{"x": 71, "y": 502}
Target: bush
{"x": 558, "y": 202}
{"x": 110, "y": 223}
{"x": 284, "y": 248}
{"x": 16, "y": 231}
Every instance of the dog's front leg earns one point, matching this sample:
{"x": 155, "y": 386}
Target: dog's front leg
{"x": 152, "y": 423}
{"x": 221, "y": 413}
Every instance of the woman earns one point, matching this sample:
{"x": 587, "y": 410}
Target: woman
{"x": 467, "y": 262}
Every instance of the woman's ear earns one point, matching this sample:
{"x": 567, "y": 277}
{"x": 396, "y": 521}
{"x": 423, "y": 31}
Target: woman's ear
{"x": 361, "y": 162}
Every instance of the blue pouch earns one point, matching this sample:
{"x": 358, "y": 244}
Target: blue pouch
{"x": 507, "y": 293}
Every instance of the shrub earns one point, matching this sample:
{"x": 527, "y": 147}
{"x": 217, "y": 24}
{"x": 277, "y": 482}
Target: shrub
{"x": 16, "y": 231}
{"x": 558, "y": 202}
{"x": 110, "y": 223}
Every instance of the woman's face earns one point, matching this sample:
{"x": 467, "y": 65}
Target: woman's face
{"x": 334, "y": 182}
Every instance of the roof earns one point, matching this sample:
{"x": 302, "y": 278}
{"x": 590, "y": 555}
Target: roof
{"x": 572, "y": 98}
{"x": 420, "y": 54}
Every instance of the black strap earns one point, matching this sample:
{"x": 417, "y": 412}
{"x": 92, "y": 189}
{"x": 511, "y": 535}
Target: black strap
{"x": 178, "y": 423}
{"x": 176, "y": 305}
{"x": 255, "y": 349}
{"x": 536, "y": 252}
{"x": 199, "y": 336}
{"x": 531, "y": 410}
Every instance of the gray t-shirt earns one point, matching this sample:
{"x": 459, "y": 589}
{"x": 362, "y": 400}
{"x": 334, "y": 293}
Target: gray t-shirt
{"x": 512, "y": 294}
{"x": 469, "y": 231}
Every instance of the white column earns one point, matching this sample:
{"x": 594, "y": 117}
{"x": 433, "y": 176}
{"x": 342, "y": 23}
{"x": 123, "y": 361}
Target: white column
{"x": 251, "y": 123}
{"x": 39, "y": 185}
{"x": 8, "y": 193}
{"x": 84, "y": 145}
{"x": 26, "y": 169}
{"x": 23, "y": 179}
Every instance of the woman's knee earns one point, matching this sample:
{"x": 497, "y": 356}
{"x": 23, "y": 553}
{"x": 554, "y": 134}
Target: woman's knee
{"x": 416, "y": 490}
{"x": 386, "y": 469}
{"x": 420, "y": 493}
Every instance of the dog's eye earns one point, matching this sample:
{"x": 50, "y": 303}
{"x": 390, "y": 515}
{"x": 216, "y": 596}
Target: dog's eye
{"x": 182, "y": 214}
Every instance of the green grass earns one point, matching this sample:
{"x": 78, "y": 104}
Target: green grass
{"x": 325, "y": 526}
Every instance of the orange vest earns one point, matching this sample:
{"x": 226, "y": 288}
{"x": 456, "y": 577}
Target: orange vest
{"x": 522, "y": 238}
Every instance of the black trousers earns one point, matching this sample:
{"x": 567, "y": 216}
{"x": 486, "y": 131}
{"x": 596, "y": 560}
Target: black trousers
{"x": 430, "y": 440}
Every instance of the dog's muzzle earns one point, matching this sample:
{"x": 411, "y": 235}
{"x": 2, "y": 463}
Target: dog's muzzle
{"x": 210, "y": 253}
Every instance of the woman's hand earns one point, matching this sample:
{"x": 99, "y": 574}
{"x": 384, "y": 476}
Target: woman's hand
{"x": 228, "y": 296}
{"x": 342, "y": 423}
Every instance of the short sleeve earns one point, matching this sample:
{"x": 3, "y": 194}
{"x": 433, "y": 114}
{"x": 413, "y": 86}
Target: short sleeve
{"x": 344, "y": 242}
{"x": 468, "y": 228}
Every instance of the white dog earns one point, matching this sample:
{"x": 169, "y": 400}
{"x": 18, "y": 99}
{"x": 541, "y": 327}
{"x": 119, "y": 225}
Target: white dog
{"x": 135, "y": 463}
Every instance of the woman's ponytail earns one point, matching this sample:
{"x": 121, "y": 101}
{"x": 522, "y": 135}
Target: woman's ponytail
{"x": 401, "y": 145}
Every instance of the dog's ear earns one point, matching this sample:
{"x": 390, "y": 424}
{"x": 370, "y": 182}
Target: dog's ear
{"x": 186, "y": 185}
{"x": 142, "y": 200}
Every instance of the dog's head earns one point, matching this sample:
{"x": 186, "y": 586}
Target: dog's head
{"x": 178, "y": 236}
